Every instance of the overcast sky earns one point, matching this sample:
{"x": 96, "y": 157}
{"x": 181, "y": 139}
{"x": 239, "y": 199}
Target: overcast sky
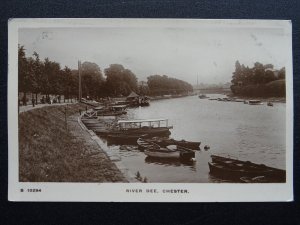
{"x": 184, "y": 53}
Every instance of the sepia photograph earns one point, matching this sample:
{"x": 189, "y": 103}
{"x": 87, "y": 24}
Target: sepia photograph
{"x": 150, "y": 110}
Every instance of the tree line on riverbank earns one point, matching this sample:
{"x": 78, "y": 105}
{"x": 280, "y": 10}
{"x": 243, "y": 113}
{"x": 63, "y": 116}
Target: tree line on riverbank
{"x": 47, "y": 77}
{"x": 258, "y": 81}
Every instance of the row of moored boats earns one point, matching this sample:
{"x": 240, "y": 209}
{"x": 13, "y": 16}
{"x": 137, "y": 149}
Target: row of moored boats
{"x": 152, "y": 137}
{"x": 227, "y": 99}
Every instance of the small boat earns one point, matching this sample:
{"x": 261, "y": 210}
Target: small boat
{"x": 163, "y": 142}
{"x": 151, "y": 127}
{"x": 162, "y": 152}
{"x": 168, "y": 161}
{"x": 115, "y": 110}
{"x": 206, "y": 147}
{"x": 171, "y": 151}
{"x": 123, "y": 138}
{"x": 235, "y": 169}
{"x": 270, "y": 104}
{"x": 111, "y": 113}
{"x": 202, "y": 96}
{"x": 126, "y": 136}
{"x": 258, "y": 179}
{"x": 238, "y": 100}
{"x": 255, "y": 102}
{"x": 144, "y": 143}
{"x": 226, "y": 99}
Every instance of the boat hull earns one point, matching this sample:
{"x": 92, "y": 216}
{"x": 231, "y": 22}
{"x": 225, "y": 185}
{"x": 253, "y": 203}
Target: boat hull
{"x": 123, "y": 139}
{"x": 233, "y": 169}
{"x": 255, "y": 102}
{"x": 180, "y": 153}
{"x": 160, "y": 154}
{"x": 150, "y": 132}
{"x": 163, "y": 142}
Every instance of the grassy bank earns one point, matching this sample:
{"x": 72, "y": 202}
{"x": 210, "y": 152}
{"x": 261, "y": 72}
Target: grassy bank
{"x": 50, "y": 151}
{"x": 271, "y": 89}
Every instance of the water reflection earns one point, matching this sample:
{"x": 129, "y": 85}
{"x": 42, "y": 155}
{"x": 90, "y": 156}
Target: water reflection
{"x": 214, "y": 179}
{"x": 171, "y": 162}
{"x": 114, "y": 141}
{"x": 254, "y": 133}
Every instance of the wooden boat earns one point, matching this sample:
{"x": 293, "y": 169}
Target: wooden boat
{"x": 255, "y": 102}
{"x": 111, "y": 113}
{"x": 235, "y": 169}
{"x": 126, "y": 136}
{"x": 89, "y": 115}
{"x": 144, "y": 143}
{"x": 163, "y": 142}
{"x": 259, "y": 179}
{"x": 171, "y": 151}
{"x": 151, "y": 127}
{"x": 270, "y": 104}
{"x": 142, "y": 101}
{"x": 129, "y": 139}
{"x": 115, "y": 110}
{"x": 162, "y": 153}
{"x": 120, "y": 103}
{"x": 169, "y": 161}
{"x": 202, "y": 96}
{"x": 238, "y": 100}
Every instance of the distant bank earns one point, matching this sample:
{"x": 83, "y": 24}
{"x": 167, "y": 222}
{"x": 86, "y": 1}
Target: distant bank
{"x": 268, "y": 90}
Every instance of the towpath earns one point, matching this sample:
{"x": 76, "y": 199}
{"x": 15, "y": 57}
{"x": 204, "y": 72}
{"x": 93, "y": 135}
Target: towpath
{"x": 30, "y": 107}
{"x": 102, "y": 168}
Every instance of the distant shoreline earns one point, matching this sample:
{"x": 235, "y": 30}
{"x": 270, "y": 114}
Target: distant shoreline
{"x": 264, "y": 99}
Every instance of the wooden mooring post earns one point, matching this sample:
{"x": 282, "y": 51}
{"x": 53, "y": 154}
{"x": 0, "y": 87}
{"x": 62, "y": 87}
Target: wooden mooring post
{"x": 66, "y": 122}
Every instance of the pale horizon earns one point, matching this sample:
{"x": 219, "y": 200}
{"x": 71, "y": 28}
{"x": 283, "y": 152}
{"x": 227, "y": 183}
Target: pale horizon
{"x": 184, "y": 53}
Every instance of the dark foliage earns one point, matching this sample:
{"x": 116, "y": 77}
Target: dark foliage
{"x": 258, "y": 81}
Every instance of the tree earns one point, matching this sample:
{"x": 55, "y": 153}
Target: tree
{"x": 24, "y": 80}
{"x": 259, "y": 72}
{"x": 143, "y": 88}
{"x": 51, "y": 78}
{"x": 248, "y": 76}
{"x": 268, "y": 66}
{"x": 161, "y": 85}
{"x": 258, "y": 80}
{"x": 74, "y": 83}
{"x": 120, "y": 81}
{"x": 237, "y": 73}
{"x": 37, "y": 71}
{"x": 91, "y": 79}
{"x": 269, "y": 76}
{"x": 281, "y": 73}
{"x": 66, "y": 75}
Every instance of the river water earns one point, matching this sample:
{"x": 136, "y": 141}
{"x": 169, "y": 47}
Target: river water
{"x": 247, "y": 132}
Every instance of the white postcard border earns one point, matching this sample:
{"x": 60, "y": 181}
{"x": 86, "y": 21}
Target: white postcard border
{"x": 117, "y": 192}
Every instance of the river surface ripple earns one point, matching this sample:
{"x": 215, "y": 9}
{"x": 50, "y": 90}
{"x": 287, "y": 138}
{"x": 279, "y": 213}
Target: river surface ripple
{"x": 247, "y": 132}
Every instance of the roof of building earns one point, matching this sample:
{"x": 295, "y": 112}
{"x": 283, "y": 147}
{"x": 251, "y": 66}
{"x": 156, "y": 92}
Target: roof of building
{"x": 132, "y": 95}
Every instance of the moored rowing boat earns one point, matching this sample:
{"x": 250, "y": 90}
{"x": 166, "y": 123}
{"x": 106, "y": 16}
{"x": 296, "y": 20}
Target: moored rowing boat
{"x": 163, "y": 142}
{"x": 234, "y": 169}
{"x": 171, "y": 151}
